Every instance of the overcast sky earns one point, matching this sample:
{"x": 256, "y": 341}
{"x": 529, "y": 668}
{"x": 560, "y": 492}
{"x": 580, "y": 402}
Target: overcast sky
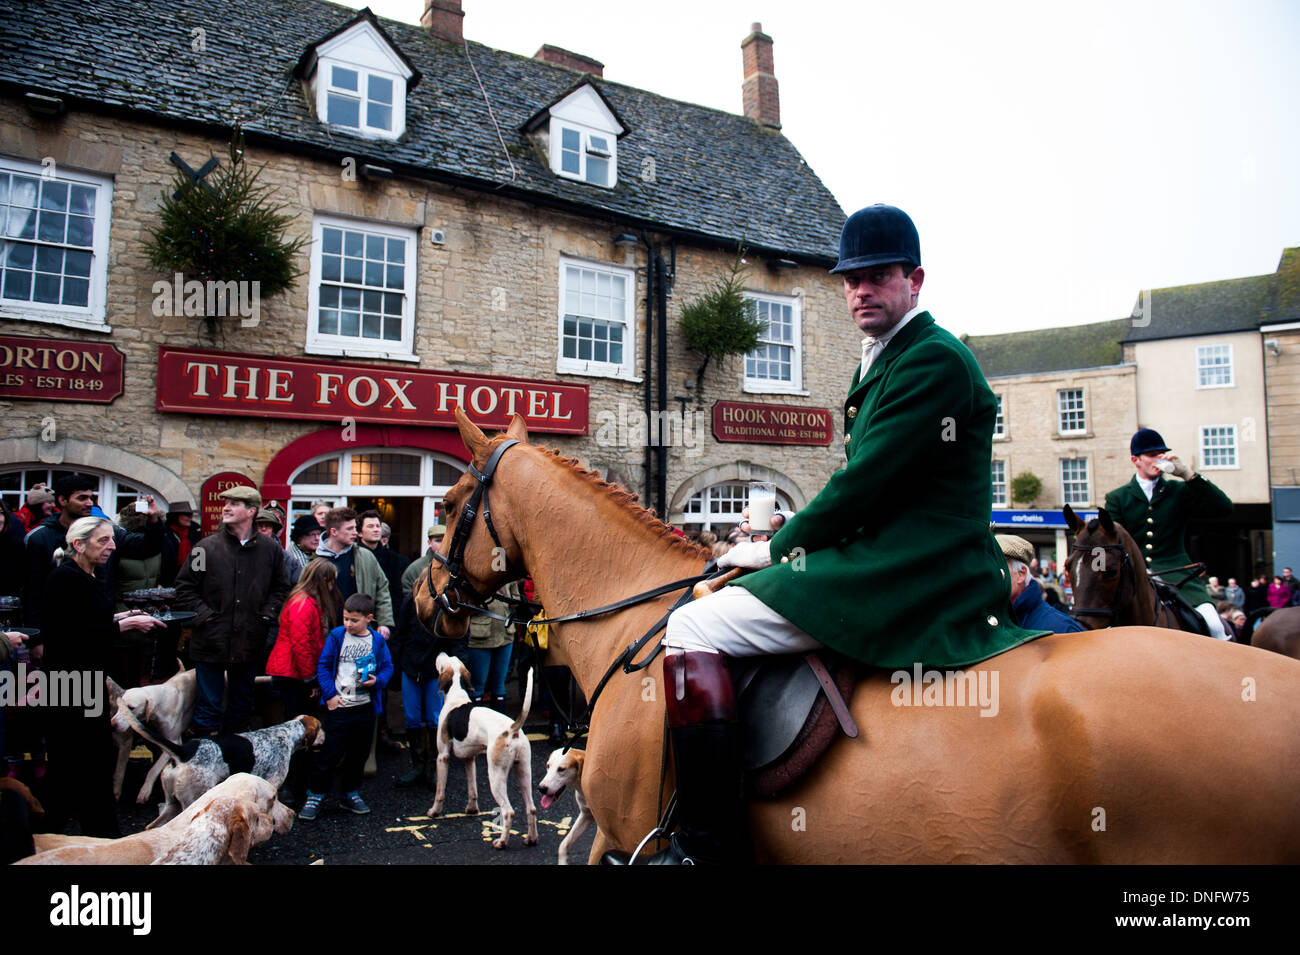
{"x": 1056, "y": 159}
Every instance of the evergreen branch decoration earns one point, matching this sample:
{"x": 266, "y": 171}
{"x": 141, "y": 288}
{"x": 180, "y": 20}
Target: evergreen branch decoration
{"x": 226, "y": 228}
{"x": 722, "y": 321}
{"x": 1026, "y": 487}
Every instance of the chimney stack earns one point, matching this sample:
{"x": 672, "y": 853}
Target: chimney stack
{"x": 444, "y": 19}
{"x": 574, "y": 61}
{"x": 762, "y": 101}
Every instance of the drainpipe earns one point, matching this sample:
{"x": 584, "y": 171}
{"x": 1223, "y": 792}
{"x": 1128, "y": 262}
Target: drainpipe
{"x": 651, "y": 256}
{"x": 661, "y": 487}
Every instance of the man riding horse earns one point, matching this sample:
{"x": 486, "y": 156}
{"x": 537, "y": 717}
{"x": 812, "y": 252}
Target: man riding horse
{"x": 914, "y": 492}
{"x": 1155, "y": 511}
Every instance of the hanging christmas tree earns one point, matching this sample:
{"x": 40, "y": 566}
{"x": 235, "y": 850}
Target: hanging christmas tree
{"x": 226, "y": 227}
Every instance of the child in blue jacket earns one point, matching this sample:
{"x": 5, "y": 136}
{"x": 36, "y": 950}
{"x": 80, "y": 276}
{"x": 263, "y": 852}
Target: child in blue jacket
{"x": 353, "y": 670}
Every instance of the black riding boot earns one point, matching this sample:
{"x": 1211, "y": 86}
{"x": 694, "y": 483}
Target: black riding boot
{"x": 711, "y": 814}
{"x": 419, "y": 749}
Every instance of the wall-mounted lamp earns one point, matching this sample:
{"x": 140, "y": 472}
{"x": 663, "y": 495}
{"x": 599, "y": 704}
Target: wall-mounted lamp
{"x": 1274, "y": 347}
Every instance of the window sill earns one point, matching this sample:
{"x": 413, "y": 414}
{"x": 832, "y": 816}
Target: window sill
{"x": 1072, "y": 435}
{"x": 377, "y": 134}
{"x": 753, "y": 388}
{"x": 588, "y": 370}
{"x": 54, "y": 318}
{"x": 1218, "y": 467}
{"x": 1002, "y": 437}
{"x": 354, "y": 352}
{"x": 1215, "y": 387}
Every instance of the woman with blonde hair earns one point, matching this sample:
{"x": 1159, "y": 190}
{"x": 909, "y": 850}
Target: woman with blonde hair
{"x": 78, "y": 628}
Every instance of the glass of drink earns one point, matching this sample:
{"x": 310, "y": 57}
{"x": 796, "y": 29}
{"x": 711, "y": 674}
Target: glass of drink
{"x": 762, "y": 505}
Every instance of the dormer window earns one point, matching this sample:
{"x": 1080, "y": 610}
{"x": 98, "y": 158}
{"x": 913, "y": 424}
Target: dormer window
{"x": 359, "y": 80}
{"x": 581, "y": 133}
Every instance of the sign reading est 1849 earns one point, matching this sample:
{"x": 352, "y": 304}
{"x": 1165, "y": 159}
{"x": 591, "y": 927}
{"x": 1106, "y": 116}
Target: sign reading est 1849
{"x": 262, "y": 386}
{"x": 56, "y": 369}
{"x": 771, "y": 424}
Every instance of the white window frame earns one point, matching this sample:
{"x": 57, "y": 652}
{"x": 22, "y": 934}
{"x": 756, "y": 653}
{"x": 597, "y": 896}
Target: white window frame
{"x": 1002, "y": 499}
{"x": 111, "y": 486}
{"x": 1000, "y": 417}
{"x": 1202, "y": 367}
{"x": 361, "y": 48}
{"x": 597, "y": 369}
{"x": 1086, "y": 500}
{"x": 1061, "y": 410}
{"x": 1203, "y": 458}
{"x": 323, "y": 344}
{"x": 769, "y": 386}
{"x": 93, "y": 315}
{"x": 585, "y": 149}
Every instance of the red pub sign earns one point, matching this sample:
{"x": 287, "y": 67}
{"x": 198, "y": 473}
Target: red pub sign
{"x": 56, "y": 369}
{"x": 226, "y": 383}
{"x": 771, "y": 424}
{"x": 210, "y": 504}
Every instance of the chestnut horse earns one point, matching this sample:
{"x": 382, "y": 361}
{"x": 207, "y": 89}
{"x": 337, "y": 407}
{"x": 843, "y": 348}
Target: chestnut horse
{"x": 1132, "y": 745}
{"x": 1279, "y": 632}
{"x": 1109, "y": 576}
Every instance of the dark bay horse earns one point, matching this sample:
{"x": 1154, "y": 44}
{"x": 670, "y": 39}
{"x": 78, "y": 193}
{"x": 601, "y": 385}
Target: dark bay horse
{"x": 1111, "y": 585}
{"x": 1129, "y": 745}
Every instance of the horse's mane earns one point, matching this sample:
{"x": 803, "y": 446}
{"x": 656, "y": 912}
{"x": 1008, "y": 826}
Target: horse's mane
{"x": 628, "y": 502}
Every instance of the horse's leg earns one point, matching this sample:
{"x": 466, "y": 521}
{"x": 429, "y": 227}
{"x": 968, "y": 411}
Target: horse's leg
{"x": 599, "y": 845}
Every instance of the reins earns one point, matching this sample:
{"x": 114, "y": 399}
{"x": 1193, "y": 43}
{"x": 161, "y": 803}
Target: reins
{"x": 455, "y": 563}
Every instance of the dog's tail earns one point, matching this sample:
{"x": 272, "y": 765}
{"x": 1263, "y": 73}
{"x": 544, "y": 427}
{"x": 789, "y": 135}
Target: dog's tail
{"x": 143, "y": 731}
{"x": 528, "y": 704}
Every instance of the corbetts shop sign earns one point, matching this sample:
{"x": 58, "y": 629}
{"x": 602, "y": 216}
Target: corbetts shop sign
{"x": 225, "y": 383}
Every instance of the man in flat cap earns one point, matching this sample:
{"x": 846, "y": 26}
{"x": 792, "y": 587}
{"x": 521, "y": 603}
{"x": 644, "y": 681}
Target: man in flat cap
{"x": 235, "y": 581}
{"x": 1031, "y": 610}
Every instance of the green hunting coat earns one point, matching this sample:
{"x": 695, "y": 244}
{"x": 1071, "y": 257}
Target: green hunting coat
{"x": 1160, "y": 525}
{"x": 893, "y": 563}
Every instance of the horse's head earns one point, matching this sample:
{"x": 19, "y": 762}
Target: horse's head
{"x": 1101, "y": 569}
{"x": 488, "y": 557}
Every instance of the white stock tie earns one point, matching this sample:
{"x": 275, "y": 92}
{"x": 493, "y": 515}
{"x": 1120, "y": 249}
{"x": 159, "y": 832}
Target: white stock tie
{"x": 869, "y": 348}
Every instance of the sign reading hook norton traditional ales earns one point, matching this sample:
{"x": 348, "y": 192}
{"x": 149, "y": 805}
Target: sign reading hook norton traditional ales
{"x": 261, "y": 386}
{"x": 771, "y": 424}
{"x": 57, "y": 369}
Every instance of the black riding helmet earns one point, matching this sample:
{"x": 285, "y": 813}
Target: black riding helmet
{"x": 878, "y": 235}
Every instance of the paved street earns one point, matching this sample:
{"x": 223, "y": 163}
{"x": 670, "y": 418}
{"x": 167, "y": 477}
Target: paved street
{"x": 397, "y": 831}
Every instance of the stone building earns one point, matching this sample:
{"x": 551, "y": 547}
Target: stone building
{"x": 1280, "y": 334}
{"x": 1066, "y": 402}
{"x": 486, "y": 229}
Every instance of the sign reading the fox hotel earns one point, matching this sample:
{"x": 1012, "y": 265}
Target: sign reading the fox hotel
{"x": 224, "y": 383}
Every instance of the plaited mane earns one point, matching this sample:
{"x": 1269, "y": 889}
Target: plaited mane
{"x": 626, "y": 500}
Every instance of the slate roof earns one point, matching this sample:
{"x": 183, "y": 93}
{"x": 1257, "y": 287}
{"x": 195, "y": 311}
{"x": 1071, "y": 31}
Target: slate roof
{"x": 1207, "y": 308}
{"x": 719, "y": 177}
{"x": 1049, "y": 349}
{"x": 1284, "y": 295}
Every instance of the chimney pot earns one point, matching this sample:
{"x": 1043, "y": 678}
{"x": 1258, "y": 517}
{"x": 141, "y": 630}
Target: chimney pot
{"x": 760, "y": 93}
{"x": 574, "y": 61}
{"x": 444, "y": 19}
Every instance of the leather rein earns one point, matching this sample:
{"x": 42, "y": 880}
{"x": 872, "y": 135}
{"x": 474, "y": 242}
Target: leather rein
{"x": 454, "y": 561}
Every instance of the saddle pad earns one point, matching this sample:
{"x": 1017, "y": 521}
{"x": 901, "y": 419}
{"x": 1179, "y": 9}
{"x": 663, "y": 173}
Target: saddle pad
{"x": 787, "y": 720}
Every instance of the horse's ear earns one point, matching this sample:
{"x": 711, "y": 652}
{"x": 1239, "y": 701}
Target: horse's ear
{"x": 1107, "y": 524}
{"x": 1072, "y": 519}
{"x": 475, "y": 440}
{"x": 518, "y": 429}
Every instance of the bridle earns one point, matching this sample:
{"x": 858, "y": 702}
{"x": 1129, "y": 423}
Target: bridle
{"x": 1126, "y": 572}
{"x": 454, "y": 561}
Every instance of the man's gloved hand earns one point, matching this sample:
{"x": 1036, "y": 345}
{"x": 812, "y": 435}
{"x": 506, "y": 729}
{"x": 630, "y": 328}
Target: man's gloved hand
{"x": 749, "y": 555}
{"x": 1181, "y": 470}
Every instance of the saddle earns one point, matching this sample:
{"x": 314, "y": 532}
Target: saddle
{"x": 1171, "y": 599}
{"x": 791, "y": 709}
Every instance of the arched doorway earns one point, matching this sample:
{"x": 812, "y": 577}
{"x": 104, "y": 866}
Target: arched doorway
{"x": 401, "y": 472}
{"x": 715, "y": 498}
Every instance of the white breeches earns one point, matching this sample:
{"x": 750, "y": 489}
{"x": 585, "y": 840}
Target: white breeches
{"x": 1213, "y": 619}
{"x": 734, "y": 622}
